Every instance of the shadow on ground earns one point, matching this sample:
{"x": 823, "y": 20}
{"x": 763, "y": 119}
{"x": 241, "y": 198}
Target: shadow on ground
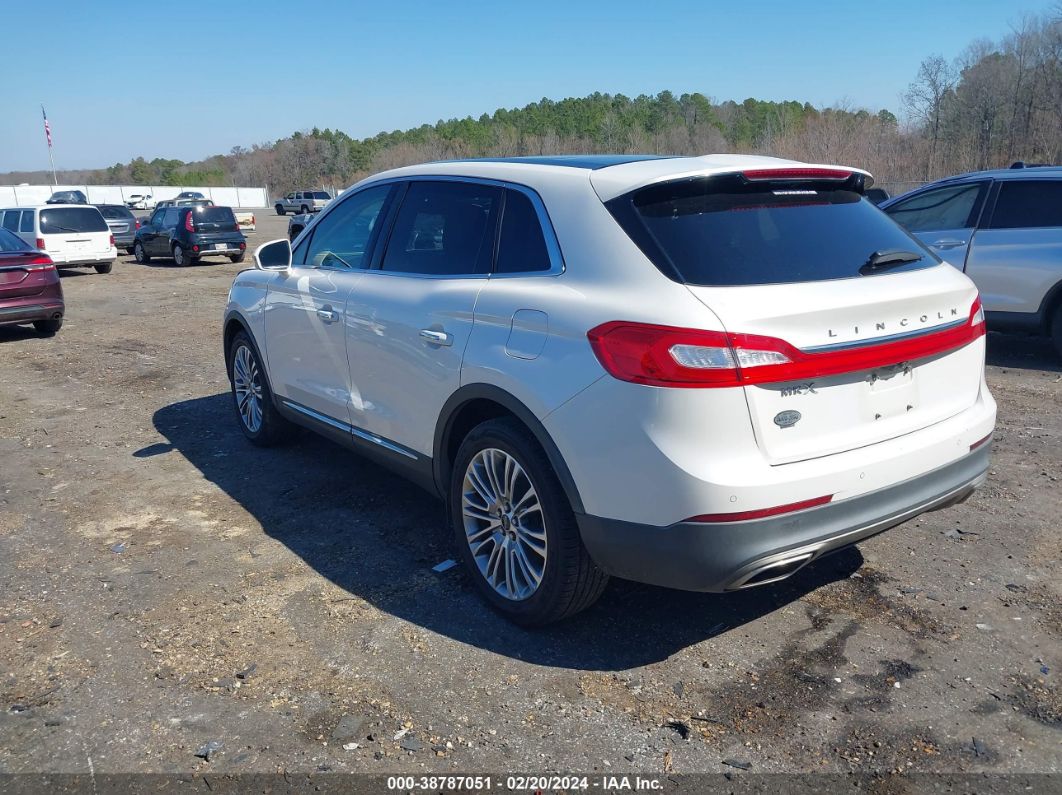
{"x": 1022, "y": 352}
{"x": 376, "y": 536}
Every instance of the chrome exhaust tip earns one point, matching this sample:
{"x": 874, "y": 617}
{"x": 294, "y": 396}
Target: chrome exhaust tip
{"x": 773, "y": 571}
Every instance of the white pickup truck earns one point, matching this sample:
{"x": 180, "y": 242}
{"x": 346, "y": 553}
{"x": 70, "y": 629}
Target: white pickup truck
{"x": 303, "y": 201}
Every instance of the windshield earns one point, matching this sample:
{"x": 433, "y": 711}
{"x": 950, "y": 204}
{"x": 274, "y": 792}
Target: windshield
{"x": 724, "y": 231}
{"x": 72, "y": 219}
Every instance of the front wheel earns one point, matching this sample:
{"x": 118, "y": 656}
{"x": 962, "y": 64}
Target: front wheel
{"x": 259, "y": 419}
{"x": 104, "y": 267}
{"x": 139, "y": 254}
{"x": 515, "y": 530}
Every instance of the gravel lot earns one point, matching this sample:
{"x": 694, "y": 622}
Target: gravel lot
{"x": 164, "y": 584}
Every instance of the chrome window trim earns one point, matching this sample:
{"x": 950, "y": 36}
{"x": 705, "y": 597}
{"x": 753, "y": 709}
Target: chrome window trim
{"x": 347, "y": 428}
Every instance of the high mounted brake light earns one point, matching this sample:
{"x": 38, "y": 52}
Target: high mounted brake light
{"x": 784, "y": 174}
{"x": 642, "y": 353}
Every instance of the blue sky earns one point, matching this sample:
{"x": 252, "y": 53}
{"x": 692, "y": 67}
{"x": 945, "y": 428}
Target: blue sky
{"x": 118, "y": 80}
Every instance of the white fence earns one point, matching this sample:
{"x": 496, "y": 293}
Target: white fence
{"x": 28, "y": 195}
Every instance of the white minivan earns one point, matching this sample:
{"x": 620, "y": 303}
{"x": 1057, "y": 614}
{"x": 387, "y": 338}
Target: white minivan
{"x": 73, "y": 235}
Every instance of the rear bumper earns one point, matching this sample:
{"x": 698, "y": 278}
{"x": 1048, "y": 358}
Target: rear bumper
{"x": 88, "y": 258}
{"x": 733, "y": 555}
{"x": 36, "y": 307}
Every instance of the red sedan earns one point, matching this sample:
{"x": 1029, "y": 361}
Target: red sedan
{"x": 30, "y": 291}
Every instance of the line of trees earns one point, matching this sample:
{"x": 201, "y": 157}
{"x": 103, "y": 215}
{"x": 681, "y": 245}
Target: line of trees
{"x": 998, "y": 102}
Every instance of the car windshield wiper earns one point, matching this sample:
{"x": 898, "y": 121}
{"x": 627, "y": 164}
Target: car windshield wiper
{"x": 66, "y": 228}
{"x": 889, "y": 258}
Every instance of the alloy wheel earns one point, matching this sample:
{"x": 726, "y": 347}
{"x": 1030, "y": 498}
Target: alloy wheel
{"x": 247, "y": 383}
{"x": 504, "y": 524}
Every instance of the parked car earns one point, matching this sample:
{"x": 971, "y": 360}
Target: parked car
{"x": 702, "y": 373}
{"x": 68, "y": 197}
{"x": 140, "y": 201}
{"x": 30, "y": 291}
{"x": 297, "y": 223}
{"x": 1003, "y": 229}
{"x": 190, "y": 194}
{"x": 73, "y": 235}
{"x": 303, "y": 201}
{"x": 185, "y": 202}
{"x": 188, "y": 234}
{"x": 122, "y": 223}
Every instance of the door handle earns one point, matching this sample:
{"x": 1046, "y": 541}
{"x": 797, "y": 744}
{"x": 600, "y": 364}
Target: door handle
{"x": 328, "y": 315}
{"x": 436, "y": 337}
{"x": 949, "y": 243}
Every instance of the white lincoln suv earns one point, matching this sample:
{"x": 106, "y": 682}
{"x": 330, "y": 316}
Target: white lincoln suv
{"x": 697, "y": 372}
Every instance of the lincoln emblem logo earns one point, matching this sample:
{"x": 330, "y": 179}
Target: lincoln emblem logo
{"x": 902, "y": 323}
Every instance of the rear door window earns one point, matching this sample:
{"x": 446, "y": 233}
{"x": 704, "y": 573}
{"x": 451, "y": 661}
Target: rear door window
{"x": 64, "y": 220}
{"x": 522, "y": 245}
{"x": 26, "y": 224}
{"x": 722, "y": 231}
{"x": 11, "y": 218}
{"x": 954, "y": 207}
{"x": 444, "y": 229}
{"x": 1028, "y": 205}
{"x": 171, "y": 217}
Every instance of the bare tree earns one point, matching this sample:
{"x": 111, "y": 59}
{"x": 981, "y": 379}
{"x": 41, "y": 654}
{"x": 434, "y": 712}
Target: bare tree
{"x": 925, "y": 98}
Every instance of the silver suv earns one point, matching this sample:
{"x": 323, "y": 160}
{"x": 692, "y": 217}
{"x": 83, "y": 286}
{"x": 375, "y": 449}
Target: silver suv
{"x": 702, "y": 373}
{"x": 303, "y": 201}
{"x": 1004, "y": 230}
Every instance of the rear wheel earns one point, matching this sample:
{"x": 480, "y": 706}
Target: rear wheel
{"x": 104, "y": 267}
{"x": 180, "y": 256}
{"x": 1056, "y": 330}
{"x": 304, "y": 209}
{"x": 280, "y": 210}
{"x": 515, "y": 530}
{"x": 258, "y": 417}
{"x": 48, "y": 327}
{"x": 139, "y": 254}
{"x": 239, "y": 257}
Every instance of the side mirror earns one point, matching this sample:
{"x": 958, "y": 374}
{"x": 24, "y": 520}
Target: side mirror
{"x": 273, "y": 256}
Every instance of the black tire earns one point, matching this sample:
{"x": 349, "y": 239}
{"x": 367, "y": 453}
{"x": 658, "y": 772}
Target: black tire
{"x": 1056, "y": 330}
{"x": 281, "y": 210}
{"x": 129, "y": 250}
{"x": 571, "y": 582}
{"x": 304, "y": 210}
{"x": 139, "y": 254}
{"x": 47, "y": 328}
{"x": 239, "y": 257}
{"x": 180, "y": 256}
{"x": 274, "y": 429}
{"x": 105, "y": 267}
{"x": 294, "y": 233}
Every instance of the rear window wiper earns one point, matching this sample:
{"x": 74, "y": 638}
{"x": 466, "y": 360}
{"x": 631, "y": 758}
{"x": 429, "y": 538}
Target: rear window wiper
{"x": 889, "y": 258}
{"x": 65, "y": 228}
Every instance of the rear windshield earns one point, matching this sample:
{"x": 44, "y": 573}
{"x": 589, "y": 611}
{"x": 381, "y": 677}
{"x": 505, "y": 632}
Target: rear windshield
{"x": 214, "y": 215}
{"x": 72, "y": 219}
{"x": 10, "y": 242}
{"x": 722, "y": 231}
{"x": 114, "y": 212}
{"x": 320, "y": 194}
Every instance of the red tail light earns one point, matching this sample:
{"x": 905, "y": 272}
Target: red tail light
{"x": 795, "y": 173}
{"x": 41, "y": 263}
{"x": 243, "y": 246}
{"x": 236, "y": 226}
{"x": 112, "y": 239}
{"x": 40, "y": 243}
{"x": 760, "y": 513}
{"x": 681, "y": 357}
{"x": 137, "y": 223}
{"x": 189, "y": 222}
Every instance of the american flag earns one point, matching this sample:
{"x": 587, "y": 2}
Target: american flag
{"x": 47, "y": 127}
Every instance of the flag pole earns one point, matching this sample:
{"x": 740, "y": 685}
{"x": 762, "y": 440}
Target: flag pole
{"x": 48, "y": 136}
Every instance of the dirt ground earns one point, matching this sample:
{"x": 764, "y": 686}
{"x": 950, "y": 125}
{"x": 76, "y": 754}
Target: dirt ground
{"x": 163, "y": 585}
